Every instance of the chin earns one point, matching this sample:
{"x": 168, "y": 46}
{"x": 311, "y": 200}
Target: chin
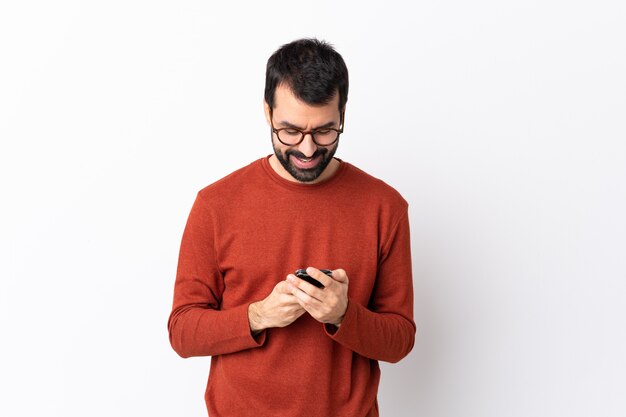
{"x": 305, "y": 175}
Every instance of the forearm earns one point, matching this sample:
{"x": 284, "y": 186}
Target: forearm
{"x": 201, "y": 331}
{"x": 381, "y": 336}
{"x": 384, "y": 330}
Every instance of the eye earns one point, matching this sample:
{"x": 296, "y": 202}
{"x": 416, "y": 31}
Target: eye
{"x": 323, "y": 132}
{"x": 292, "y": 132}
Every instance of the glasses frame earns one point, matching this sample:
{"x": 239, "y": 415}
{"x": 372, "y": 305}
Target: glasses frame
{"x": 308, "y": 132}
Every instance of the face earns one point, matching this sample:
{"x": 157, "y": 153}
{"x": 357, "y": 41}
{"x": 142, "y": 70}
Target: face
{"x": 305, "y": 162}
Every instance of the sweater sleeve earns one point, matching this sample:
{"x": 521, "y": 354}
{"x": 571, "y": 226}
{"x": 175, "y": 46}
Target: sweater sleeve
{"x": 385, "y": 329}
{"x": 197, "y": 326}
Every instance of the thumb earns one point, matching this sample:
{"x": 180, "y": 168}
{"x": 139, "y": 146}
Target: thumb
{"x": 282, "y": 287}
{"x": 340, "y": 275}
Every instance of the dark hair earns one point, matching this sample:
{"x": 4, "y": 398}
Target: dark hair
{"x": 311, "y": 68}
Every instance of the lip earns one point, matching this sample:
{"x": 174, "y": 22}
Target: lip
{"x": 305, "y": 165}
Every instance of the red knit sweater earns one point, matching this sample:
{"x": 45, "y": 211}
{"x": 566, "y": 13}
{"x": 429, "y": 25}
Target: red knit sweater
{"x": 244, "y": 234}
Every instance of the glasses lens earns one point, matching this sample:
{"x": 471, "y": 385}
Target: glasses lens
{"x": 289, "y": 136}
{"x": 325, "y": 136}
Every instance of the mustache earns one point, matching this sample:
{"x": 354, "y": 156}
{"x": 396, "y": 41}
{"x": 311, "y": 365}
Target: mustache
{"x": 298, "y": 154}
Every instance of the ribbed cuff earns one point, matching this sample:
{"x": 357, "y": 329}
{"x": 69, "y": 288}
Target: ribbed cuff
{"x": 347, "y": 328}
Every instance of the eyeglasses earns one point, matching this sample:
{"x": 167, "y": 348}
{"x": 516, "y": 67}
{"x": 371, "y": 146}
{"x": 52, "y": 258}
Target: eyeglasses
{"x": 324, "y": 136}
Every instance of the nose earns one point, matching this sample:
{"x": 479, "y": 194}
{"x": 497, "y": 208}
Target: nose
{"x": 307, "y": 146}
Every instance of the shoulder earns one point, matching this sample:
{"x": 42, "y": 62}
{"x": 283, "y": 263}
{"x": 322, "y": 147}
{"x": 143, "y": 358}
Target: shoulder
{"x": 232, "y": 184}
{"x": 365, "y": 186}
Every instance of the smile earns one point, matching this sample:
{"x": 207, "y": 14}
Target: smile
{"x": 305, "y": 163}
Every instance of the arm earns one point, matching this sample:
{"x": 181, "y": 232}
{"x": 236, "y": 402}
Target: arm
{"x": 384, "y": 330}
{"x": 197, "y": 326}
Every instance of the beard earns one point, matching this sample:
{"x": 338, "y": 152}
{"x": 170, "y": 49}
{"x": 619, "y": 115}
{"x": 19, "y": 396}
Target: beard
{"x": 310, "y": 174}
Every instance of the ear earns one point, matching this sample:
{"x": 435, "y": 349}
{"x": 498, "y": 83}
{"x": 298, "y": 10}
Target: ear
{"x": 266, "y": 109}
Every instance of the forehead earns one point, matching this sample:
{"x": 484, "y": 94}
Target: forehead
{"x": 287, "y": 107}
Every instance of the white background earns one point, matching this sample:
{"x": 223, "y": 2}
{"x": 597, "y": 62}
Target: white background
{"x": 501, "y": 122}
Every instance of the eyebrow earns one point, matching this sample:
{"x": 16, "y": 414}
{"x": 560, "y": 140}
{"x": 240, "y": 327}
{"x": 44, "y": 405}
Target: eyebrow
{"x": 292, "y": 126}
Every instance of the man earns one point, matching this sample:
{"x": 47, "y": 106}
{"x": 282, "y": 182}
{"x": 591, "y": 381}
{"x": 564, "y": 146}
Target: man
{"x": 280, "y": 345}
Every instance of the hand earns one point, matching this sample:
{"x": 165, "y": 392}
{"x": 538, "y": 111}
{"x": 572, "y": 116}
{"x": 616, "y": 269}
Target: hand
{"x": 279, "y": 309}
{"x": 327, "y": 305}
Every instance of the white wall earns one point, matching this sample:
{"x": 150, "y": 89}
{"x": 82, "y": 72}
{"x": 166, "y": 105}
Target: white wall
{"x": 502, "y": 123}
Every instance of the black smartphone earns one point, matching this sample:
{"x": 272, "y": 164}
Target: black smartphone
{"x": 301, "y": 273}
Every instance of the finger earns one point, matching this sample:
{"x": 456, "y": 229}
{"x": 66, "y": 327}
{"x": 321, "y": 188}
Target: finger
{"x": 284, "y": 289}
{"x": 340, "y": 275}
{"x": 319, "y": 275}
{"x": 300, "y": 285}
{"x": 305, "y": 300}
{"x": 287, "y": 299}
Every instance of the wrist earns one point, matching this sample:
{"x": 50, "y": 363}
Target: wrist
{"x": 255, "y": 318}
{"x": 342, "y": 317}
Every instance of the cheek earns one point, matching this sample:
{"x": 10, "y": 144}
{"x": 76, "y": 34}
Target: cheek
{"x": 279, "y": 148}
{"x": 331, "y": 150}
{"x": 275, "y": 143}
